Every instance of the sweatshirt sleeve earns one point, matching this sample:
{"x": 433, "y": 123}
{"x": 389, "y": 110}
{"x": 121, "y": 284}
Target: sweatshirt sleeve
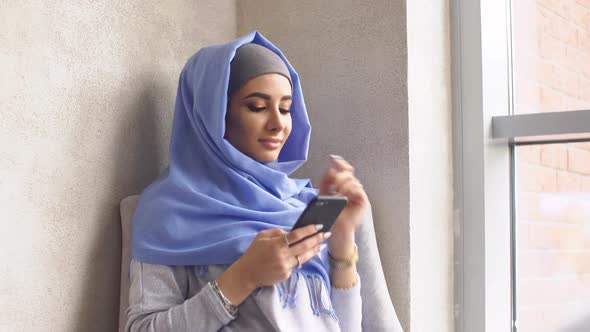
{"x": 348, "y": 306}
{"x": 158, "y": 301}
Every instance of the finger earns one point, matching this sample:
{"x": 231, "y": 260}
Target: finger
{"x": 354, "y": 192}
{"x": 338, "y": 165}
{"x": 327, "y": 181}
{"x": 272, "y": 232}
{"x": 308, "y": 243}
{"x": 303, "y": 232}
{"x": 348, "y": 182}
{"x": 341, "y": 179}
{"x": 309, "y": 254}
{"x": 341, "y": 164}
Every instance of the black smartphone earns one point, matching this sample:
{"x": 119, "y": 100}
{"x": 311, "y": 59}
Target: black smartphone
{"x": 322, "y": 210}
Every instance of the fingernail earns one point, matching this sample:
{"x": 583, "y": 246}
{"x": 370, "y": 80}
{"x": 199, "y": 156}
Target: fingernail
{"x": 335, "y": 156}
{"x": 332, "y": 189}
{"x": 327, "y": 235}
{"x": 319, "y": 226}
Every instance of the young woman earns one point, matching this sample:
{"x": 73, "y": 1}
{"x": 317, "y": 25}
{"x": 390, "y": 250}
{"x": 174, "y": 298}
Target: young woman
{"x": 211, "y": 243}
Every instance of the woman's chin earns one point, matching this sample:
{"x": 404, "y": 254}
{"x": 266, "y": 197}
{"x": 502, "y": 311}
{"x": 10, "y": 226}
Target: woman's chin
{"x": 266, "y": 158}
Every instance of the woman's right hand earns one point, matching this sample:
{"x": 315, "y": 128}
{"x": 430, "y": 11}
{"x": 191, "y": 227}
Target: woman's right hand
{"x": 269, "y": 260}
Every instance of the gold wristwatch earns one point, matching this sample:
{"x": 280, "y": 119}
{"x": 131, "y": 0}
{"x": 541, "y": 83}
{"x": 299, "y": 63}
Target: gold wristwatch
{"x": 339, "y": 264}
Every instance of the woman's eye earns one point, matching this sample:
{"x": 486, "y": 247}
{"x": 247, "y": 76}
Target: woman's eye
{"x": 284, "y": 110}
{"x": 253, "y": 108}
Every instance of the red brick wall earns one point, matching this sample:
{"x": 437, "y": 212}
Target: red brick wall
{"x": 552, "y": 73}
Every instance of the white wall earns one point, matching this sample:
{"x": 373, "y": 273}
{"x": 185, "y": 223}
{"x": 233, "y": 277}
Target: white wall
{"x": 87, "y": 96}
{"x": 431, "y": 186}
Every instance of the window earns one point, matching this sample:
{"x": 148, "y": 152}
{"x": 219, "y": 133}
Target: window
{"x": 522, "y": 164}
{"x": 551, "y": 250}
{"x": 552, "y": 227}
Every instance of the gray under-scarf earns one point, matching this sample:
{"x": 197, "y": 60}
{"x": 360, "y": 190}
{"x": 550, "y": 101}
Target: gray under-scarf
{"x": 252, "y": 60}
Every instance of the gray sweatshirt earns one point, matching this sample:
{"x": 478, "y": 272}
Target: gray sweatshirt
{"x": 180, "y": 298}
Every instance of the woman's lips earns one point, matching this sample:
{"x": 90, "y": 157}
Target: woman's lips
{"x": 271, "y": 144}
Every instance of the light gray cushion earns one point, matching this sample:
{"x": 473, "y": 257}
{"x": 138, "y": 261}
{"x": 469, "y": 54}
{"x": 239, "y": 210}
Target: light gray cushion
{"x": 128, "y": 206}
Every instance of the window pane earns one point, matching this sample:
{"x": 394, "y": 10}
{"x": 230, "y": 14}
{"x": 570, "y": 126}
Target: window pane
{"x": 553, "y": 237}
{"x": 551, "y": 47}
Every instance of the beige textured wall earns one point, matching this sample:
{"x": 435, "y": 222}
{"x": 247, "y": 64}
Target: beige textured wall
{"x": 86, "y": 98}
{"x": 431, "y": 186}
{"x": 352, "y": 58}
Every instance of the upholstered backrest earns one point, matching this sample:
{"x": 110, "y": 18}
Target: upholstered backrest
{"x": 128, "y": 206}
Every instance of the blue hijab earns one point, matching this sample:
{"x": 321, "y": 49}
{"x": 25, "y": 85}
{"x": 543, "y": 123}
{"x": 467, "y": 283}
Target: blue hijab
{"x": 211, "y": 201}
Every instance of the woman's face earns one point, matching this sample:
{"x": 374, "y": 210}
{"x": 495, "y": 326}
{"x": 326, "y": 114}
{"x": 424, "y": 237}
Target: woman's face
{"x": 258, "y": 121}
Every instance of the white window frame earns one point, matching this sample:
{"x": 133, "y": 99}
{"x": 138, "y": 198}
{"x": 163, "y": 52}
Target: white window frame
{"x": 483, "y": 130}
{"x": 481, "y": 90}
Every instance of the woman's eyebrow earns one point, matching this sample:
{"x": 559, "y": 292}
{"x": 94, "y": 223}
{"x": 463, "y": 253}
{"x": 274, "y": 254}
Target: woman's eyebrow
{"x": 265, "y": 96}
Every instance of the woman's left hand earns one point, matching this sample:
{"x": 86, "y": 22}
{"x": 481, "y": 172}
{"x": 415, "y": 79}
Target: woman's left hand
{"x": 340, "y": 179}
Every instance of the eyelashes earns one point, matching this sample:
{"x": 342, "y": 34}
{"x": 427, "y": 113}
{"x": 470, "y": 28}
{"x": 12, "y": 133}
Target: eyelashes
{"x": 253, "y": 108}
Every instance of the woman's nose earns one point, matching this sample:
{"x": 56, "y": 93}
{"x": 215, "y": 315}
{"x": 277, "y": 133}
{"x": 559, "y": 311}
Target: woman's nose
{"x": 276, "y": 120}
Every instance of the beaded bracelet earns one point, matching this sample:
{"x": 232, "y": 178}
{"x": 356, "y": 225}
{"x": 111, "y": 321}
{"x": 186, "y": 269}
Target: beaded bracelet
{"x": 229, "y": 307}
